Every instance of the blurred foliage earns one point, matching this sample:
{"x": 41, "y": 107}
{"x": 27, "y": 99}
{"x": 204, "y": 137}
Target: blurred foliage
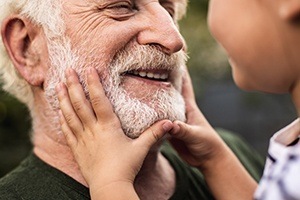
{"x": 207, "y": 60}
{"x": 12, "y": 112}
{"x": 14, "y": 132}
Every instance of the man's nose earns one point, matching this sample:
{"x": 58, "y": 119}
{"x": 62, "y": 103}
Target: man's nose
{"x": 160, "y": 29}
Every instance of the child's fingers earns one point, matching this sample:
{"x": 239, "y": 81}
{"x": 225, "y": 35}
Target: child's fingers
{"x": 69, "y": 135}
{"x": 102, "y": 106}
{"x": 67, "y": 110}
{"x": 78, "y": 99}
{"x": 193, "y": 113}
{"x": 182, "y": 136}
{"x": 187, "y": 88}
{"x": 181, "y": 131}
{"x": 175, "y": 129}
{"x": 154, "y": 133}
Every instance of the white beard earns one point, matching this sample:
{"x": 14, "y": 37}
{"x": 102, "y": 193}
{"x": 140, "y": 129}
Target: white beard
{"x": 135, "y": 116}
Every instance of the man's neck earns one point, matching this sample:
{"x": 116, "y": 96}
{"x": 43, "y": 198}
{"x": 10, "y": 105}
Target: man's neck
{"x": 58, "y": 155}
{"x": 156, "y": 177}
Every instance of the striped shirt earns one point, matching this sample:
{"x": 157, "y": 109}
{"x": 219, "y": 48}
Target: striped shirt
{"x": 281, "y": 178}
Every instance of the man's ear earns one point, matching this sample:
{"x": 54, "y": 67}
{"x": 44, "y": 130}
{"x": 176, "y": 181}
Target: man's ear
{"x": 289, "y": 9}
{"x": 22, "y": 40}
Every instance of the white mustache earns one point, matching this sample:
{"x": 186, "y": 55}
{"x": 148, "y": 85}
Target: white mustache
{"x": 147, "y": 58}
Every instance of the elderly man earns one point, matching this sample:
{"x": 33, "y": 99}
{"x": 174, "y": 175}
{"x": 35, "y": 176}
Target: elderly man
{"x": 137, "y": 50}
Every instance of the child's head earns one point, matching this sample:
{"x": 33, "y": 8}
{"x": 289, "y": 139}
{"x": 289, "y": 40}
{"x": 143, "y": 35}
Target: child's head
{"x": 262, "y": 39}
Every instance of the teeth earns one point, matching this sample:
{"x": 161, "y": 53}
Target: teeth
{"x": 150, "y": 75}
{"x": 143, "y": 74}
{"x": 164, "y": 76}
{"x": 157, "y": 76}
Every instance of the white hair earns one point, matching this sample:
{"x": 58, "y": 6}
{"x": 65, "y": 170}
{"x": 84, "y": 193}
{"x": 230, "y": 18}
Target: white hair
{"x": 46, "y": 14}
{"x": 181, "y": 9}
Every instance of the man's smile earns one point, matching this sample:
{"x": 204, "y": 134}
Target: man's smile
{"x": 157, "y": 78}
{"x": 151, "y": 74}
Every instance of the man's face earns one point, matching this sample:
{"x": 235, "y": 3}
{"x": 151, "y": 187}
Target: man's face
{"x": 137, "y": 50}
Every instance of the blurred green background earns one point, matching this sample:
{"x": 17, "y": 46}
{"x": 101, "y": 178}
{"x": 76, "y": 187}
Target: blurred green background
{"x": 254, "y": 116}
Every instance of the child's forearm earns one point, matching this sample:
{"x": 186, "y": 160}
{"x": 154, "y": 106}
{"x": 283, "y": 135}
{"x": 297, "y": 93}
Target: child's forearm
{"x": 228, "y": 179}
{"x": 116, "y": 191}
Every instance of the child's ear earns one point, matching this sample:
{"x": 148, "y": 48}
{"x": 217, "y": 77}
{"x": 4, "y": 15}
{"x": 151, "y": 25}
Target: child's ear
{"x": 289, "y": 9}
{"x": 23, "y": 44}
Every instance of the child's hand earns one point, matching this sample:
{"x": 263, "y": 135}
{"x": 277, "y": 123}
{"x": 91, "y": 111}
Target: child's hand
{"x": 196, "y": 141}
{"x": 199, "y": 145}
{"x": 92, "y": 130}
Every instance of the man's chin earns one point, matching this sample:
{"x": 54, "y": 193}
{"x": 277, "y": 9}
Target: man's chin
{"x": 136, "y": 115}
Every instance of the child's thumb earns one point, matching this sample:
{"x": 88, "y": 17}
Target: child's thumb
{"x": 155, "y": 132}
{"x": 181, "y": 131}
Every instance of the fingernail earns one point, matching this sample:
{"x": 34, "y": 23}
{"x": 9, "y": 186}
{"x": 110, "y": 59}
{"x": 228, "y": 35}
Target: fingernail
{"x": 68, "y": 71}
{"x": 167, "y": 126}
{"x": 60, "y": 90}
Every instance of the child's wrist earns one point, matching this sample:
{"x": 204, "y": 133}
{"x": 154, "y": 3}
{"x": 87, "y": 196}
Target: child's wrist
{"x": 220, "y": 157}
{"x": 113, "y": 190}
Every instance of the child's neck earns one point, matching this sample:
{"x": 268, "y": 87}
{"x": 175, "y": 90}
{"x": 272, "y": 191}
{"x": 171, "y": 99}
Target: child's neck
{"x": 295, "y": 94}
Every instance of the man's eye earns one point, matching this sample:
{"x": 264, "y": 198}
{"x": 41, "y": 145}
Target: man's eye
{"x": 169, "y": 9}
{"x": 171, "y": 12}
{"x": 121, "y": 8}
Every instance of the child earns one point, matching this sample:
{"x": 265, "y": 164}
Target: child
{"x": 263, "y": 44}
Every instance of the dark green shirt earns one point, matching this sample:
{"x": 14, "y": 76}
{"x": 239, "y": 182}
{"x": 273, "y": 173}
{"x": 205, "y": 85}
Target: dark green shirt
{"x": 36, "y": 180}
